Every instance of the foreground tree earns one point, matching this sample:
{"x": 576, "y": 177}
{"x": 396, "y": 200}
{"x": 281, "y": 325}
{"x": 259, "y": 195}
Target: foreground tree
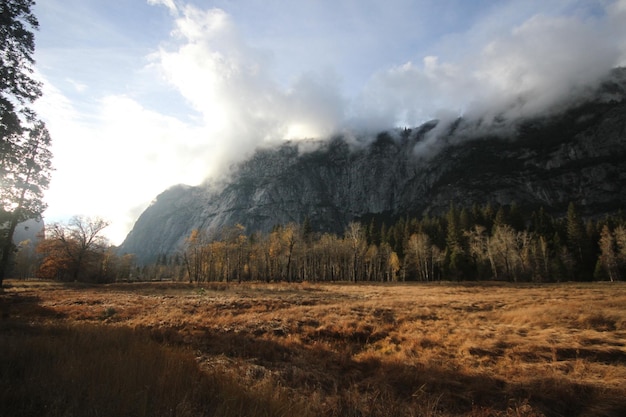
{"x": 17, "y": 45}
{"x": 74, "y": 251}
{"x": 24, "y": 141}
{"x": 26, "y": 178}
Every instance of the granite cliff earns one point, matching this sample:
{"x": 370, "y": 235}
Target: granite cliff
{"x": 577, "y": 154}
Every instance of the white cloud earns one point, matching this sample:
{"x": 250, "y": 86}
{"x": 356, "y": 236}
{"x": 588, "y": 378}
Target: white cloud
{"x": 519, "y": 72}
{"x": 230, "y": 84}
{"x": 543, "y": 60}
{"x": 167, "y": 3}
{"x": 121, "y": 156}
{"x": 498, "y": 63}
{"x": 78, "y": 86}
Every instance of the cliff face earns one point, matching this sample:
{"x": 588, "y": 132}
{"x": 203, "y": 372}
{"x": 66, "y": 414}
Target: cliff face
{"x": 577, "y": 155}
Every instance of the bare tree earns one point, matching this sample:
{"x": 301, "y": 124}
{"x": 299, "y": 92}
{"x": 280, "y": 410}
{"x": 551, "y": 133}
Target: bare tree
{"x": 355, "y": 237}
{"x": 74, "y": 250}
{"x": 194, "y": 255}
{"x": 291, "y": 237}
{"x": 420, "y": 255}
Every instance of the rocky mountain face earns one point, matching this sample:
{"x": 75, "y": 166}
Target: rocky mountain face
{"x": 575, "y": 155}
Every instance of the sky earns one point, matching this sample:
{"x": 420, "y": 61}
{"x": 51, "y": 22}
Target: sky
{"x": 140, "y": 95}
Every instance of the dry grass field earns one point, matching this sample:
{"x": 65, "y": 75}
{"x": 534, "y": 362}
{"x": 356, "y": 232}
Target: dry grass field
{"x": 173, "y": 349}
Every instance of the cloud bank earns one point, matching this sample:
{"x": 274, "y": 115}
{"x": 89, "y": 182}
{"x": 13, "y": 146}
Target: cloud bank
{"x": 509, "y": 72}
{"x": 518, "y": 73}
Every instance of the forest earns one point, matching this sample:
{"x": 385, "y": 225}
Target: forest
{"x": 482, "y": 243}
{"x": 477, "y": 244}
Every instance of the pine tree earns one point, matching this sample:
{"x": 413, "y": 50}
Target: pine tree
{"x": 23, "y": 185}
{"x": 579, "y": 245}
{"x": 459, "y": 264}
{"x": 24, "y": 141}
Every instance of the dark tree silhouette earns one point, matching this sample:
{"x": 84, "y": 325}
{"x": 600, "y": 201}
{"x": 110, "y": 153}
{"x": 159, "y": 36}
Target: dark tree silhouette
{"x": 24, "y": 141}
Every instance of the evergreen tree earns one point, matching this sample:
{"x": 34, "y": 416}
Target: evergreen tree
{"x": 17, "y": 86}
{"x": 575, "y": 231}
{"x": 26, "y": 178}
{"x": 579, "y": 245}
{"x": 453, "y": 231}
{"x": 383, "y": 234}
{"x": 500, "y": 218}
{"x": 515, "y": 218}
{"x": 542, "y": 223}
{"x": 488, "y": 216}
{"x": 24, "y": 141}
{"x": 465, "y": 222}
{"x": 307, "y": 229}
{"x": 459, "y": 263}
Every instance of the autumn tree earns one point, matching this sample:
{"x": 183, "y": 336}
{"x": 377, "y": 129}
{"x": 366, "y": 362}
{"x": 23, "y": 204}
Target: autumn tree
{"x": 608, "y": 256}
{"x": 74, "y": 251}
{"x": 328, "y": 253}
{"x": 236, "y": 251}
{"x": 392, "y": 265}
{"x": 195, "y": 254}
{"x": 294, "y": 241}
{"x": 504, "y": 249}
{"x": 24, "y": 141}
{"x": 124, "y": 266}
{"x": 620, "y": 241}
{"x": 422, "y": 256}
{"x": 275, "y": 254}
{"x": 355, "y": 238}
{"x": 612, "y": 257}
{"x": 370, "y": 262}
{"x": 542, "y": 258}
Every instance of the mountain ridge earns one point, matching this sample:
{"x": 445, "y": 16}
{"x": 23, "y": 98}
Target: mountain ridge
{"x": 574, "y": 155}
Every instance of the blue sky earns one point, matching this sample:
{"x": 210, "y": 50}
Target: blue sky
{"x": 140, "y": 95}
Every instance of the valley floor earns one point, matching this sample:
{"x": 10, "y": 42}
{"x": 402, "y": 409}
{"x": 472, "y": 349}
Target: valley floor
{"x": 305, "y": 349}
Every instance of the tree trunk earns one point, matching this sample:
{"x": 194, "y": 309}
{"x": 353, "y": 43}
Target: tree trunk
{"x": 7, "y": 249}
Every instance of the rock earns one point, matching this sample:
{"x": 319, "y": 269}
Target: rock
{"x": 577, "y": 155}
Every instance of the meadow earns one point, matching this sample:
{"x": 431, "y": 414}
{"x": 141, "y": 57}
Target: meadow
{"x": 308, "y": 349}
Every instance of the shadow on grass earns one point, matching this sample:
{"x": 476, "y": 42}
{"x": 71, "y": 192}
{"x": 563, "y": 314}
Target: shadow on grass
{"x": 62, "y": 370}
{"x": 386, "y": 388}
{"x": 22, "y": 306}
{"x": 91, "y": 370}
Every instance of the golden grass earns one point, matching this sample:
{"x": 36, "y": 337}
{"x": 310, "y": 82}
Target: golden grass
{"x": 349, "y": 350}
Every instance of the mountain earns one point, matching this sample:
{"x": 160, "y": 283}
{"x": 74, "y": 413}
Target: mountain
{"x": 577, "y": 154}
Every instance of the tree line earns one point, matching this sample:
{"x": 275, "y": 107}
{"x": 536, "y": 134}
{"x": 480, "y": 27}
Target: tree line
{"x": 72, "y": 251}
{"x": 480, "y": 243}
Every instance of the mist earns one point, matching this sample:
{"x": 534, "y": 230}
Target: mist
{"x": 509, "y": 73}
